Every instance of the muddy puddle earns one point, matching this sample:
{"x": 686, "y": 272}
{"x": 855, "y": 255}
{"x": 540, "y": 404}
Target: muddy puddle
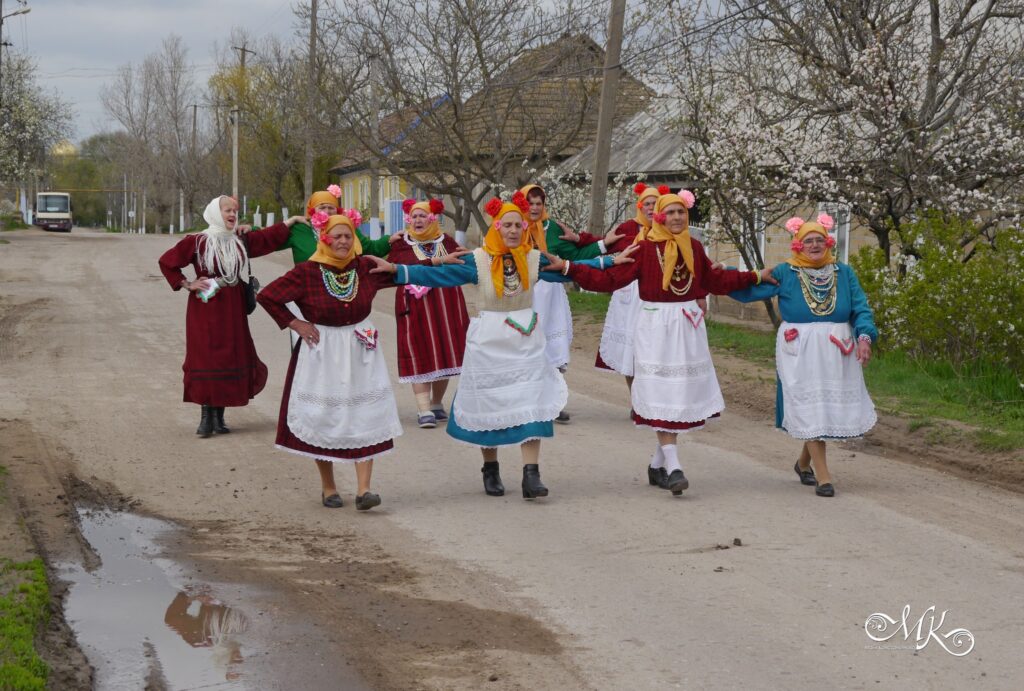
{"x": 144, "y": 621}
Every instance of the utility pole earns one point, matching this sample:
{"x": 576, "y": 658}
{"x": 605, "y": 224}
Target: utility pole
{"x": 310, "y": 92}
{"x": 605, "y": 116}
{"x": 375, "y": 139}
{"x": 242, "y": 50}
{"x": 124, "y": 205}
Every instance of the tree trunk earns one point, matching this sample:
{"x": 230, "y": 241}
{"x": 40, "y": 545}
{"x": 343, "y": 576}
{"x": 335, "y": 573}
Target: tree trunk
{"x": 769, "y": 307}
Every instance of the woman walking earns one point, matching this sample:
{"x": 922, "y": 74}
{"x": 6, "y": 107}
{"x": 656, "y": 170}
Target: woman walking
{"x": 674, "y": 388}
{"x": 821, "y": 348}
{"x": 221, "y": 367}
{"x": 432, "y": 322}
{"x": 337, "y": 405}
{"x": 509, "y": 392}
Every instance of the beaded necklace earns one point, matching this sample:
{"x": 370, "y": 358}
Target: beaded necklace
{"x": 512, "y": 284}
{"x": 679, "y": 272}
{"x": 342, "y": 286}
{"x": 819, "y": 289}
{"x": 436, "y": 249}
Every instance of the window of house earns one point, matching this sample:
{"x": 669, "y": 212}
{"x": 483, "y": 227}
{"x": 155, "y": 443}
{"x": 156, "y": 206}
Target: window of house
{"x": 349, "y": 200}
{"x": 841, "y": 230}
{"x": 364, "y": 194}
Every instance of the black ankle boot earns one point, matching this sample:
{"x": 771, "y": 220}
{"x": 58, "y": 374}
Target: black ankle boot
{"x": 205, "y": 428}
{"x": 532, "y": 487}
{"x": 218, "y": 421}
{"x": 492, "y": 480}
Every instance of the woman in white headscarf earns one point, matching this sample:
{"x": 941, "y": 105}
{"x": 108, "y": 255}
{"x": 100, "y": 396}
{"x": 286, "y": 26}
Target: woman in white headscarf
{"x": 221, "y": 367}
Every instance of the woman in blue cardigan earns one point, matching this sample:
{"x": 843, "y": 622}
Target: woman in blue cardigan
{"x": 821, "y": 347}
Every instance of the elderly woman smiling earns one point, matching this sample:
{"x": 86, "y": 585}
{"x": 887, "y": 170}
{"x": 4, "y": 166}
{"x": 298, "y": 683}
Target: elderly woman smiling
{"x": 823, "y": 342}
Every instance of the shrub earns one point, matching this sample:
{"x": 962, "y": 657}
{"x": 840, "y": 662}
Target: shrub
{"x": 953, "y": 304}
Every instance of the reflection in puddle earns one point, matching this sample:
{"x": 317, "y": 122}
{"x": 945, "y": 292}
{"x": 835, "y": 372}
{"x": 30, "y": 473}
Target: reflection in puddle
{"x": 123, "y": 621}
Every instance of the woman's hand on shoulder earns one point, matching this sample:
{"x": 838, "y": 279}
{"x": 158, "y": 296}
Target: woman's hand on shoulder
{"x": 626, "y": 255}
{"x": 295, "y": 219}
{"x": 395, "y": 237}
{"x": 554, "y": 263}
{"x": 243, "y": 228}
{"x": 766, "y": 277}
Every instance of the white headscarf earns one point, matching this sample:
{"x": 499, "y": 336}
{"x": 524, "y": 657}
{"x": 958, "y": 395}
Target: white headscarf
{"x": 220, "y": 250}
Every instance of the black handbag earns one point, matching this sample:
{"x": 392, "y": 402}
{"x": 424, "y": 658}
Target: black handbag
{"x": 252, "y": 286}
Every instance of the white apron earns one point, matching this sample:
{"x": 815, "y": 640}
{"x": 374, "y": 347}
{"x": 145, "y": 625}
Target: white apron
{"x": 823, "y": 391}
{"x": 507, "y": 380}
{"x": 341, "y": 396}
{"x": 619, "y": 326}
{"x": 552, "y": 307}
{"x": 674, "y": 378}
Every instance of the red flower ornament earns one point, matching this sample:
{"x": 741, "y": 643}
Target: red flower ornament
{"x": 663, "y": 189}
{"x": 639, "y": 188}
{"x": 436, "y": 206}
{"x": 407, "y": 205}
{"x": 660, "y": 217}
{"x": 493, "y": 207}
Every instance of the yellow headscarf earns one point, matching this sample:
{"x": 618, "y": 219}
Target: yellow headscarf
{"x": 799, "y": 258}
{"x": 431, "y": 232}
{"x": 640, "y": 218}
{"x": 496, "y": 248}
{"x": 678, "y": 244}
{"x": 325, "y": 255}
{"x": 318, "y": 198}
{"x": 535, "y": 234}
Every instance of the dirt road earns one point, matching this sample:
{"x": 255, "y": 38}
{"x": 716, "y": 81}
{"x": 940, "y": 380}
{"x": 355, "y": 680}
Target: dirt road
{"x": 748, "y": 579}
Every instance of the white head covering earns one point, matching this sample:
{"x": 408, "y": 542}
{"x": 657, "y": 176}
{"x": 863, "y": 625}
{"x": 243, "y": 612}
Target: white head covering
{"x": 220, "y": 250}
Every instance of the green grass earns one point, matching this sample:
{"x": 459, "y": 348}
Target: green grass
{"x": 4, "y": 242}
{"x": 12, "y": 223}
{"x": 24, "y": 610}
{"x": 592, "y": 305}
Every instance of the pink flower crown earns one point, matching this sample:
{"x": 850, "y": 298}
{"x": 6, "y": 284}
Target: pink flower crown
{"x": 794, "y": 224}
{"x": 319, "y": 221}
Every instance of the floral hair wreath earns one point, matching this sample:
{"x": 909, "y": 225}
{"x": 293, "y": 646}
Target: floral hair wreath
{"x": 794, "y": 224}
{"x": 493, "y": 207}
{"x": 321, "y": 218}
{"x": 436, "y": 209}
{"x": 334, "y": 191}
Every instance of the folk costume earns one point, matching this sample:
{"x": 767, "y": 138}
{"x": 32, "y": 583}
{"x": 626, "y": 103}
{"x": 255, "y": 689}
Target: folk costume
{"x": 509, "y": 392}
{"x": 675, "y": 388}
{"x": 337, "y": 404}
{"x": 820, "y": 390}
{"x": 221, "y": 368}
{"x": 303, "y": 238}
{"x": 432, "y": 322}
{"x": 549, "y": 300}
{"x": 615, "y": 352}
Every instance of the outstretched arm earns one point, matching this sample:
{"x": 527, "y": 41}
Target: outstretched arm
{"x": 453, "y": 272}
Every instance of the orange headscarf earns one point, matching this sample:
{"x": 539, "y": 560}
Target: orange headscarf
{"x": 803, "y": 229}
{"x": 643, "y": 192}
{"x": 318, "y": 198}
{"x": 325, "y": 255}
{"x": 496, "y": 248}
{"x": 535, "y": 234}
{"x": 678, "y": 245}
{"x": 432, "y": 231}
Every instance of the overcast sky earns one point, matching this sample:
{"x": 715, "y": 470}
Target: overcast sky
{"x": 79, "y": 44}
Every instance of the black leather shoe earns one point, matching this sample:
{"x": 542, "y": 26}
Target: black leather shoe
{"x": 826, "y": 490}
{"x": 654, "y": 475}
{"x": 205, "y": 428}
{"x": 365, "y": 502}
{"x": 806, "y": 476}
{"x": 674, "y": 481}
{"x": 218, "y": 421}
{"x": 532, "y": 487}
{"x": 332, "y": 502}
{"x": 492, "y": 480}
{"x": 563, "y": 418}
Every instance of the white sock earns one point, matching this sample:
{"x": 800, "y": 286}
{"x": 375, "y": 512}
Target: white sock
{"x": 423, "y": 402}
{"x": 671, "y": 458}
{"x": 658, "y": 459}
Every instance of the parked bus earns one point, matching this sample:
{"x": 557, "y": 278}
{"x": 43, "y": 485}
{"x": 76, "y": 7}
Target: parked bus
{"x": 53, "y": 211}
